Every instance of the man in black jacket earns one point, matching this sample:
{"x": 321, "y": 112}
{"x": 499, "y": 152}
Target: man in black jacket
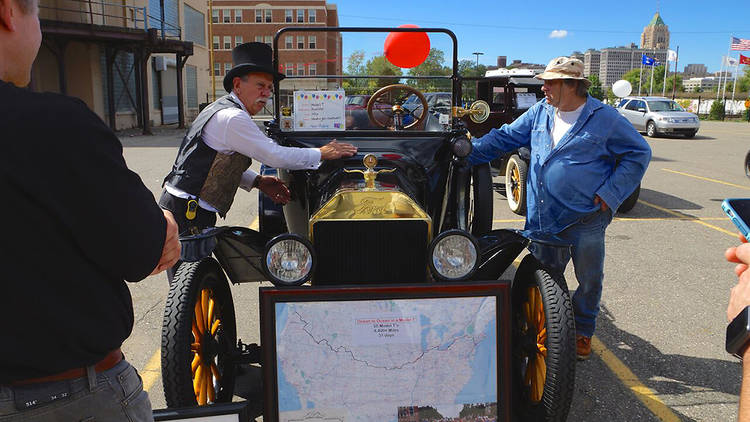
{"x": 77, "y": 223}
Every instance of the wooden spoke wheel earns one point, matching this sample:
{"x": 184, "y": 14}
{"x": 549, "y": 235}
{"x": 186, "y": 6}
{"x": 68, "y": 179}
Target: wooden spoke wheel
{"x": 384, "y": 102}
{"x": 198, "y": 337}
{"x": 515, "y": 184}
{"x": 543, "y": 358}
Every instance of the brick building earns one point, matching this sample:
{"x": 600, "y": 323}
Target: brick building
{"x": 300, "y": 53}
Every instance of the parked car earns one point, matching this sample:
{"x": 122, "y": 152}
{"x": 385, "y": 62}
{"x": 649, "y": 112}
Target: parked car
{"x": 356, "y": 102}
{"x": 406, "y": 212}
{"x": 659, "y": 115}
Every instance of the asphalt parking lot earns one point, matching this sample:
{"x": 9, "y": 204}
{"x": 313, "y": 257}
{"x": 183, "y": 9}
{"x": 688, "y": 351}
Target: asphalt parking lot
{"x": 659, "y": 344}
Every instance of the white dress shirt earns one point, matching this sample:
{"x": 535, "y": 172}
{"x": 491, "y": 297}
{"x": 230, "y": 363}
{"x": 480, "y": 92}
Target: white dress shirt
{"x": 233, "y": 130}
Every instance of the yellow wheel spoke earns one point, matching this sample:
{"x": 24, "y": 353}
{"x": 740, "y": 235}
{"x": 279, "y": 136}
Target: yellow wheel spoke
{"x": 195, "y": 347}
{"x": 197, "y": 380}
{"x": 195, "y": 363}
{"x": 202, "y": 391}
{"x": 199, "y": 317}
{"x": 215, "y": 327}
{"x": 210, "y": 314}
{"x": 205, "y": 295}
{"x": 196, "y": 333}
{"x": 542, "y": 349}
{"x": 541, "y": 337}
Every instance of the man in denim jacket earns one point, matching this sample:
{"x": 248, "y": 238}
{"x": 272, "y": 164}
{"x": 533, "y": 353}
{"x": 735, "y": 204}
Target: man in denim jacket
{"x": 585, "y": 160}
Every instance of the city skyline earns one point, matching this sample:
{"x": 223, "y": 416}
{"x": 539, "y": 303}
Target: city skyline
{"x": 548, "y": 30}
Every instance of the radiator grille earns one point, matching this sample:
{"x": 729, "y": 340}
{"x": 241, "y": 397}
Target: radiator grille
{"x": 379, "y": 251}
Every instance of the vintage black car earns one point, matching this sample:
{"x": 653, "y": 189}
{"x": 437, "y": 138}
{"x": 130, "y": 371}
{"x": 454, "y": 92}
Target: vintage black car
{"x": 405, "y": 214}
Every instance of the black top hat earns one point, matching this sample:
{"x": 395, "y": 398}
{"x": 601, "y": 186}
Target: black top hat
{"x": 251, "y": 57}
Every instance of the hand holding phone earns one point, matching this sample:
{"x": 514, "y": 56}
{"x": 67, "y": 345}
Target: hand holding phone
{"x": 738, "y": 210}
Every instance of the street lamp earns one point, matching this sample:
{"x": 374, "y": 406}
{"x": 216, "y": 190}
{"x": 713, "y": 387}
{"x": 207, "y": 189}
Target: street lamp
{"x": 477, "y": 53}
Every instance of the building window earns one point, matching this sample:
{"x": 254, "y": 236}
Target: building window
{"x": 288, "y": 15}
{"x": 300, "y": 15}
{"x": 237, "y": 40}
{"x": 227, "y": 16}
{"x": 268, "y": 15}
{"x": 258, "y": 15}
{"x": 217, "y": 69}
{"x": 300, "y": 69}
{"x": 195, "y": 25}
{"x": 191, "y": 85}
{"x": 300, "y": 42}
{"x": 289, "y": 69}
{"x": 312, "y": 69}
{"x": 216, "y": 42}
{"x": 237, "y": 15}
{"x": 227, "y": 68}
{"x": 228, "y": 43}
{"x": 311, "y": 15}
{"x": 269, "y": 40}
{"x": 259, "y": 38}
{"x": 289, "y": 42}
{"x": 215, "y": 16}
{"x": 312, "y": 41}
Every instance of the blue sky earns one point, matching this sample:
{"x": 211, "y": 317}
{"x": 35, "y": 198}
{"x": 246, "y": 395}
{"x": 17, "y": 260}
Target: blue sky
{"x": 524, "y": 29}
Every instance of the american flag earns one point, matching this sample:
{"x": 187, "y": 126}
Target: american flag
{"x": 740, "y": 44}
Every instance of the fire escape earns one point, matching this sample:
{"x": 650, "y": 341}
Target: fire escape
{"x": 117, "y": 28}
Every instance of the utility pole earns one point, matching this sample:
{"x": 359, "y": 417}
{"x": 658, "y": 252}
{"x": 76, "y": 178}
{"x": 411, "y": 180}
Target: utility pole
{"x": 211, "y": 49}
{"x": 477, "y": 53}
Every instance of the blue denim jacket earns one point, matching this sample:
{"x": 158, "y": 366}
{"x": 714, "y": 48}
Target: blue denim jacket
{"x": 601, "y": 154}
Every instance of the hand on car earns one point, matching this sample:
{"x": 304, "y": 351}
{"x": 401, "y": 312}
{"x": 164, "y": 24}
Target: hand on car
{"x": 598, "y": 200}
{"x": 170, "y": 253}
{"x": 335, "y": 150}
{"x": 274, "y": 189}
{"x": 739, "y": 296}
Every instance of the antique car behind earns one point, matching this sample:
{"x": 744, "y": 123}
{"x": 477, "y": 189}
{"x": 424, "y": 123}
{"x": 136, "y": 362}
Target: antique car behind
{"x": 406, "y": 214}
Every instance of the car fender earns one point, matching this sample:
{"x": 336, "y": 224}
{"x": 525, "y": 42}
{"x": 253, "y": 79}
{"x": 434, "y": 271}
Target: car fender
{"x": 499, "y": 248}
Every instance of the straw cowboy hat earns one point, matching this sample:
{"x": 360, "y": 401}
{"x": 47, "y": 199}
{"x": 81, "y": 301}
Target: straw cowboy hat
{"x": 251, "y": 57}
{"x": 564, "y": 68}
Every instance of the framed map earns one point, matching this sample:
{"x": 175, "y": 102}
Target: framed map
{"x": 392, "y": 353}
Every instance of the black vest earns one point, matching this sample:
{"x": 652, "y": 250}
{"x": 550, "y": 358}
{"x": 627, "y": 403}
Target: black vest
{"x": 196, "y": 161}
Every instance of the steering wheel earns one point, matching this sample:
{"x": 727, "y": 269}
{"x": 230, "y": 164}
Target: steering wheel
{"x": 385, "y": 107}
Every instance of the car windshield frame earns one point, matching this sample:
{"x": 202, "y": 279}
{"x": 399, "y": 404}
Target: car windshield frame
{"x": 671, "y": 105}
{"x": 454, "y": 78}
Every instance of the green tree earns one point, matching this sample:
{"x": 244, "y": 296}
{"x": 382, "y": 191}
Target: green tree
{"x": 633, "y": 76}
{"x": 355, "y": 66}
{"x": 380, "y": 66}
{"x": 431, "y": 66}
{"x": 595, "y": 90}
{"x": 468, "y": 69}
{"x": 612, "y": 99}
{"x": 717, "y": 111}
{"x": 677, "y": 80}
{"x": 743, "y": 82}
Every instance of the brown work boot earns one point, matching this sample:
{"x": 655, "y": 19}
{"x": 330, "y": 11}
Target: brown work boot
{"x": 583, "y": 347}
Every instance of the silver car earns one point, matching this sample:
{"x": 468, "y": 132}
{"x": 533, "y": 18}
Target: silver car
{"x": 658, "y": 115}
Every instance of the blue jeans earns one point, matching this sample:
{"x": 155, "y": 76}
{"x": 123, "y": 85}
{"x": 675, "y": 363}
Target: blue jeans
{"x": 112, "y": 395}
{"x": 586, "y": 238}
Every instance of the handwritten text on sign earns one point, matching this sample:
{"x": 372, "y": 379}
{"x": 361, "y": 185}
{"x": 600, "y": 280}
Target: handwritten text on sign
{"x": 318, "y": 110}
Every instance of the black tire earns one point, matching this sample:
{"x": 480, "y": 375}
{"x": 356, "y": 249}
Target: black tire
{"x": 747, "y": 164}
{"x": 651, "y": 129}
{"x": 546, "y": 396}
{"x": 515, "y": 184}
{"x": 480, "y": 207}
{"x": 630, "y": 201}
{"x": 177, "y": 338}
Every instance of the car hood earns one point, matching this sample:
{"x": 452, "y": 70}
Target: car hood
{"x": 679, "y": 114}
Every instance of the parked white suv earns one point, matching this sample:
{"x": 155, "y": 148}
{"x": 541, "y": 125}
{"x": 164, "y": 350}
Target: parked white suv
{"x": 658, "y": 115}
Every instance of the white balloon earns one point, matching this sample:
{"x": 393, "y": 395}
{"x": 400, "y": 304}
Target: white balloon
{"x": 622, "y": 88}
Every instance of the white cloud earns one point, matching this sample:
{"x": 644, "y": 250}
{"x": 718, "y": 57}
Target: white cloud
{"x": 558, "y": 33}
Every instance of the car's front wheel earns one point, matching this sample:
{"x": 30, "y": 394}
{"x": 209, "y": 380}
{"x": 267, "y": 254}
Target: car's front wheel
{"x": 747, "y": 164}
{"x": 198, "y": 337}
{"x": 651, "y": 129}
{"x": 515, "y": 184}
{"x": 543, "y": 344}
{"x": 691, "y": 134}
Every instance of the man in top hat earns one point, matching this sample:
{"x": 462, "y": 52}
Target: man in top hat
{"x": 215, "y": 155}
{"x": 585, "y": 160}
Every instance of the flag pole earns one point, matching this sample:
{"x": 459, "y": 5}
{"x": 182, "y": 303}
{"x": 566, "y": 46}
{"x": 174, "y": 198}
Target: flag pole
{"x": 736, "y": 73}
{"x": 664, "y": 82}
{"x": 640, "y": 76}
{"x": 724, "y": 90}
{"x": 653, "y": 65}
{"x": 674, "y": 78}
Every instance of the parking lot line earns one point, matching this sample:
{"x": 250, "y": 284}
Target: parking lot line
{"x": 151, "y": 372}
{"x": 707, "y": 179}
{"x": 646, "y": 395}
{"x": 687, "y": 217}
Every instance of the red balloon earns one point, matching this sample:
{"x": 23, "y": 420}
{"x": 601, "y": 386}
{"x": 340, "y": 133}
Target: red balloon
{"x": 407, "y": 49}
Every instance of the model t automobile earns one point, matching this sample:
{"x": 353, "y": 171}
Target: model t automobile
{"x": 393, "y": 296}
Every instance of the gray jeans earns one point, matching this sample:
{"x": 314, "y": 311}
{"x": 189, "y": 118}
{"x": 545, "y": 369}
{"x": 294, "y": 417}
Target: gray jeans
{"x": 112, "y": 395}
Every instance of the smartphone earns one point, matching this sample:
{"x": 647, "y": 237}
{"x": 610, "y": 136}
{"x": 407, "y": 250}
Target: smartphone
{"x": 738, "y": 333}
{"x": 738, "y": 210}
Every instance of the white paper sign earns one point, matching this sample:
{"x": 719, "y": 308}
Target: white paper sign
{"x": 525, "y": 99}
{"x": 318, "y": 110}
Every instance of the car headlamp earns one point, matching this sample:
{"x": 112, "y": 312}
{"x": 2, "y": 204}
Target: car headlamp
{"x": 289, "y": 260}
{"x": 461, "y": 146}
{"x": 453, "y": 255}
